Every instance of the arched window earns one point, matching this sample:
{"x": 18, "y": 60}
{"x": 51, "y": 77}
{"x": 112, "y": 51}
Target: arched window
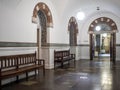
{"x": 44, "y": 15}
{"x": 73, "y": 30}
{"x": 43, "y": 21}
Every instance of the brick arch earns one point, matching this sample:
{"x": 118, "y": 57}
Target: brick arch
{"x": 44, "y": 8}
{"x": 113, "y": 31}
{"x": 105, "y": 20}
{"x": 74, "y": 22}
{"x": 73, "y": 30}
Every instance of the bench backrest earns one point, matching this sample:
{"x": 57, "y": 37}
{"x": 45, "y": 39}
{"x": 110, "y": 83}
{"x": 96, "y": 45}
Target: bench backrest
{"x": 16, "y": 60}
{"x": 26, "y": 59}
{"x": 58, "y": 55}
{"x": 66, "y": 53}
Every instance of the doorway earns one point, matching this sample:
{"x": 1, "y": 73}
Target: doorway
{"x": 101, "y": 46}
{"x": 102, "y": 32}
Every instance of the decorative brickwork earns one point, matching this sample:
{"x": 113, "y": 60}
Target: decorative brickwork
{"x": 105, "y": 20}
{"x": 44, "y": 8}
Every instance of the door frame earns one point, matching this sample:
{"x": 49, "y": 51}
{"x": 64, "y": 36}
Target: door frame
{"x": 112, "y": 47}
{"x": 113, "y": 32}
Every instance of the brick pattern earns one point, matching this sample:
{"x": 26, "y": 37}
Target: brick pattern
{"x": 44, "y": 8}
{"x": 105, "y": 20}
{"x": 114, "y": 29}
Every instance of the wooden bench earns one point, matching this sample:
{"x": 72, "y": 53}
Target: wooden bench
{"x": 63, "y": 56}
{"x": 15, "y": 65}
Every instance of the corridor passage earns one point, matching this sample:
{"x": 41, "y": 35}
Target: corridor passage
{"x": 87, "y": 75}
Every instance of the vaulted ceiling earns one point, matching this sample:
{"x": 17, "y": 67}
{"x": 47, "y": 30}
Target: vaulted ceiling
{"x": 87, "y": 6}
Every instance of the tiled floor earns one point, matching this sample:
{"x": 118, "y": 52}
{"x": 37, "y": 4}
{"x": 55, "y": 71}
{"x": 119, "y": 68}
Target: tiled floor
{"x": 87, "y": 75}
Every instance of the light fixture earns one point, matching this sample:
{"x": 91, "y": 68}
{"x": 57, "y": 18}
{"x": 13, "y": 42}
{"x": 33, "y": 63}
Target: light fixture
{"x": 98, "y": 28}
{"x": 105, "y": 34}
{"x": 80, "y": 15}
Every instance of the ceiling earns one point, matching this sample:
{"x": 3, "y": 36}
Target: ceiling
{"x": 87, "y": 6}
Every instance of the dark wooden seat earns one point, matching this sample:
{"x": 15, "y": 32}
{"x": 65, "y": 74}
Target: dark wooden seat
{"x": 14, "y": 65}
{"x": 63, "y": 56}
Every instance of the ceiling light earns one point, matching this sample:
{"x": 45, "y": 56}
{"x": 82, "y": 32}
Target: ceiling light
{"x": 80, "y": 15}
{"x": 98, "y": 28}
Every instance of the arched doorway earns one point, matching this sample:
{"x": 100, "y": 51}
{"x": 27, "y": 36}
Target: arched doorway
{"x": 100, "y": 30}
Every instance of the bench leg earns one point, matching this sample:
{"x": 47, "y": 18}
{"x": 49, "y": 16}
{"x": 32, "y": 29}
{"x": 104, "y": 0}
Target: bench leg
{"x": 17, "y": 78}
{"x": 54, "y": 65}
{"x": 74, "y": 63}
{"x": 0, "y": 85}
{"x": 26, "y": 76}
{"x": 35, "y": 72}
{"x": 69, "y": 63}
{"x": 44, "y": 70}
{"x": 61, "y": 64}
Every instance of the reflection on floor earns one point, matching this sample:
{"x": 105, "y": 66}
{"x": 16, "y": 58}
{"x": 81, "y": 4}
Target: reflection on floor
{"x": 87, "y": 75}
{"x": 104, "y": 55}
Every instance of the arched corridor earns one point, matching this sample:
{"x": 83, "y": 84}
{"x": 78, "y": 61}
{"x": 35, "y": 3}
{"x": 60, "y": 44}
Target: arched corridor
{"x": 80, "y": 30}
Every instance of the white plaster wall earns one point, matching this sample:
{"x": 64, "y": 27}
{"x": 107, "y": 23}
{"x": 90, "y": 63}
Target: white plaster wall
{"x": 17, "y": 50}
{"x": 15, "y": 21}
{"x": 84, "y": 52}
{"x": 78, "y": 52}
{"x": 60, "y": 33}
{"x": 118, "y": 53}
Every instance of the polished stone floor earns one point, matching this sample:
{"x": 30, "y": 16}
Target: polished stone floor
{"x": 86, "y": 75}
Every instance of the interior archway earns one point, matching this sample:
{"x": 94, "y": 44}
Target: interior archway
{"x": 43, "y": 13}
{"x": 45, "y": 9}
{"x": 43, "y": 18}
{"x": 97, "y": 29}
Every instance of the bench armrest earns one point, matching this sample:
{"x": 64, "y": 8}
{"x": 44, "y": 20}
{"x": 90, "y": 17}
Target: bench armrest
{"x": 72, "y": 56}
{"x": 40, "y": 61}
